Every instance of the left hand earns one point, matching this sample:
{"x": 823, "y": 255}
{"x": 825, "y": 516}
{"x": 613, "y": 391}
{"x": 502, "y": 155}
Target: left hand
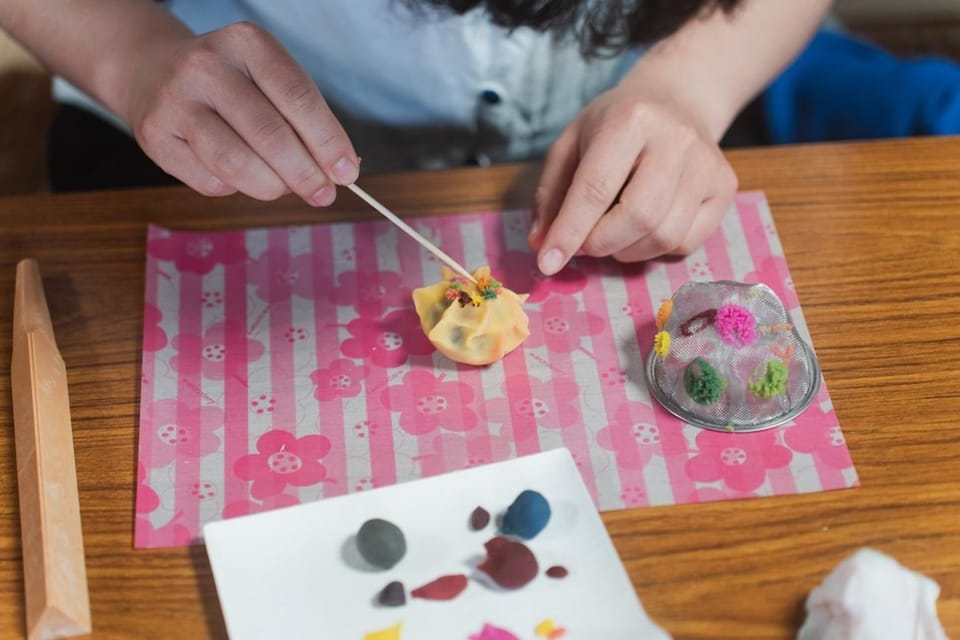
{"x": 633, "y": 177}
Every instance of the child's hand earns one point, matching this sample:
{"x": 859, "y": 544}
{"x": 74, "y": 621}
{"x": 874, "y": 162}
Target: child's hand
{"x": 232, "y": 111}
{"x": 631, "y": 177}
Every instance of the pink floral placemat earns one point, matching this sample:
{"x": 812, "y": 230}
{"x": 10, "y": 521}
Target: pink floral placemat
{"x": 285, "y": 365}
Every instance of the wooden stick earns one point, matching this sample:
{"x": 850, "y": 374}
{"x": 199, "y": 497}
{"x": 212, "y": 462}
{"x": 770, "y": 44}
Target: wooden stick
{"x": 54, "y": 574}
{"x": 407, "y": 229}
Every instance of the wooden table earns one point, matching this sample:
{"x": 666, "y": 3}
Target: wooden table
{"x": 872, "y": 237}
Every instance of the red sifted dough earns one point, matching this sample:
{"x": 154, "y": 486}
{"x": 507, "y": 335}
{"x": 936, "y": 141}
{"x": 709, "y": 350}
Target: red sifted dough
{"x": 443, "y": 588}
{"x": 509, "y": 563}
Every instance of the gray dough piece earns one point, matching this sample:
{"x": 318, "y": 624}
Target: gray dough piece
{"x": 381, "y": 543}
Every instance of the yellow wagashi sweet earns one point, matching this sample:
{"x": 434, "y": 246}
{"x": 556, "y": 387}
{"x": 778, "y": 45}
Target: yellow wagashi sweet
{"x": 472, "y": 323}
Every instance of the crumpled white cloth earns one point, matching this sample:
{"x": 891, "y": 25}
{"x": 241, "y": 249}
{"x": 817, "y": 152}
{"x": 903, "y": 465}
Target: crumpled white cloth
{"x": 870, "y": 596}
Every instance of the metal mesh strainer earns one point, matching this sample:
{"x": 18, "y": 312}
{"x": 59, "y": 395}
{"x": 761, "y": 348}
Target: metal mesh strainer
{"x": 734, "y": 362}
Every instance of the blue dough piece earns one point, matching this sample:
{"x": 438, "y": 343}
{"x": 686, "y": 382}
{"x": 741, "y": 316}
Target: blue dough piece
{"x": 527, "y": 516}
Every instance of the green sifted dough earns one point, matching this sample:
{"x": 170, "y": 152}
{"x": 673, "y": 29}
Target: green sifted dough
{"x": 702, "y": 382}
{"x": 773, "y": 381}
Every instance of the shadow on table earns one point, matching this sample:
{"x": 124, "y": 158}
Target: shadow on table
{"x": 212, "y": 614}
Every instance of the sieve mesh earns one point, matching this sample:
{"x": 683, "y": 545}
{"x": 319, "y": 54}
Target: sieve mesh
{"x": 694, "y": 334}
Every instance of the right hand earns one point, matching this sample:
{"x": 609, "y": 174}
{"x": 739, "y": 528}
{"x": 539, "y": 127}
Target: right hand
{"x": 232, "y": 111}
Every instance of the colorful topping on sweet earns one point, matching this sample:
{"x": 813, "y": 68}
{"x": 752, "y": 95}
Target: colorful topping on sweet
{"x": 392, "y": 595}
{"x": 443, "y": 588}
{"x": 527, "y": 516}
{"x": 509, "y": 564}
{"x": 486, "y": 288}
{"x": 479, "y": 519}
{"x": 381, "y": 543}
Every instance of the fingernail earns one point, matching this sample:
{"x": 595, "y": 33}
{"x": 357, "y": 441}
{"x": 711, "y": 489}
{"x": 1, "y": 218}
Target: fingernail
{"x": 346, "y": 171}
{"x": 551, "y": 262}
{"x": 324, "y": 196}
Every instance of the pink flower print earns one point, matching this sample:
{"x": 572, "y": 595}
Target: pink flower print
{"x": 427, "y": 402}
{"x": 529, "y": 404}
{"x": 147, "y": 498}
{"x": 263, "y": 404}
{"x": 200, "y": 252}
{"x": 614, "y": 377}
{"x": 633, "y": 497}
{"x": 387, "y": 342}
{"x": 277, "y": 275}
{"x": 446, "y": 451}
{"x": 181, "y": 429}
{"x": 211, "y": 299}
{"x": 364, "y": 429}
{"x": 634, "y": 309}
{"x": 203, "y": 490}
{"x": 519, "y": 272}
{"x": 824, "y": 441}
{"x": 774, "y": 273}
{"x": 643, "y": 439}
{"x": 295, "y": 334}
{"x": 340, "y": 380}
{"x": 563, "y": 325}
{"x": 712, "y": 494}
{"x": 172, "y": 534}
{"x": 206, "y": 354}
{"x": 370, "y": 293}
{"x": 365, "y": 484}
{"x": 740, "y": 460}
{"x": 244, "y": 507}
{"x": 283, "y": 459}
{"x": 154, "y": 337}
{"x": 700, "y": 271}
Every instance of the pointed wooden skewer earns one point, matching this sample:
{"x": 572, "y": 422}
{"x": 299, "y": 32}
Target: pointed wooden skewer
{"x": 407, "y": 229}
{"x": 54, "y": 573}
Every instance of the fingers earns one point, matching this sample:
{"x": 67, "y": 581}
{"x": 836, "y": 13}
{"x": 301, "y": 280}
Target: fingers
{"x": 559, "y": 166}
{"x": 265, "y": 130}
{"x": 228, "y": 157}
{"x": 602, "y": 171}
{"x": 643, "y": 206}
{"x": 177, "y": 158}
{"x": 295, "y": 95}
{"x": 692, "y": 216}
{"x": 249, "y": 115}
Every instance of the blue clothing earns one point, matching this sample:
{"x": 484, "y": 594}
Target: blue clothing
{"x": 842, "y": 88}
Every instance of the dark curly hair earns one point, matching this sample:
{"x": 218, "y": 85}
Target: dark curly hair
{"x": 602, "y": 27}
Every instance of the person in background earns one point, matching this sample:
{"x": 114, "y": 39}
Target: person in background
{"x": 623, "y": 100}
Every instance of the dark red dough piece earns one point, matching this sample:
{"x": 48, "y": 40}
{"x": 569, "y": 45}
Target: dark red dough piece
{"x": 479, "y": 519}
{"x": 392, "y": 595}
{"x": 557, "y": 571}
{"x": 443, "y": 588}
{"x": 509, "y": 563}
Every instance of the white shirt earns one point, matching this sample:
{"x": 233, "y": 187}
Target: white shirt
{"x": 422, "y": 90}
